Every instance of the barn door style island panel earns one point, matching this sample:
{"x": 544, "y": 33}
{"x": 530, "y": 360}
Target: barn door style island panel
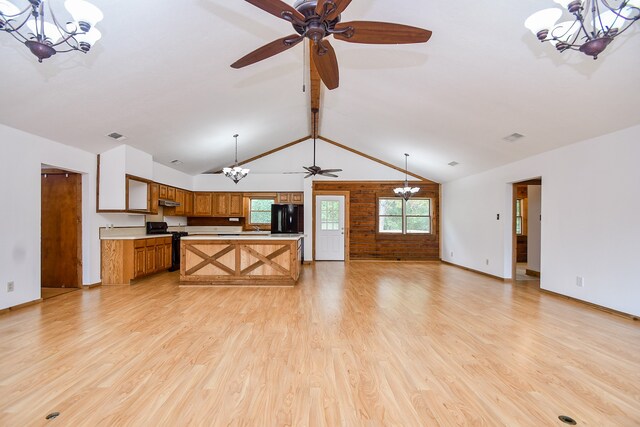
{"x": 240, "y": 260}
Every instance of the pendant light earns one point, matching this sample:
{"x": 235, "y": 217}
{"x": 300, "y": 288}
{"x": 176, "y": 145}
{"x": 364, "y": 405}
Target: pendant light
{"x": 406, "y": 192}
{"x": 236, "y": 173}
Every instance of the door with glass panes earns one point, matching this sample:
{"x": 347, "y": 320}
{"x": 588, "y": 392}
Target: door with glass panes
{"x": 330, "y": 228}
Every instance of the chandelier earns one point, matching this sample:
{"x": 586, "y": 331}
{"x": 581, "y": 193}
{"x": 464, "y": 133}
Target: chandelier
{"x": 594, "y": 25}
{"x": 44, "y": 35}
{"x": 236, "y": 173}
{"x": 405, "y": 192}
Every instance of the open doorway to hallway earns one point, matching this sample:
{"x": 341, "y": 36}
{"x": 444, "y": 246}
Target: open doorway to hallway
{"x": 61, "y": 231}
{"x": 527, "y": 216}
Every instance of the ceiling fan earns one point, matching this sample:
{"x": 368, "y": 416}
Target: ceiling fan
{"x": 318, "y": 19}
{"x": 317, "y": 170}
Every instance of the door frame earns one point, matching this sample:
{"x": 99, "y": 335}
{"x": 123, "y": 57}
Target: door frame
{"x": 514, "y": 237}
{"x": 51, "y": 170}
{"x": 346, "y": 195}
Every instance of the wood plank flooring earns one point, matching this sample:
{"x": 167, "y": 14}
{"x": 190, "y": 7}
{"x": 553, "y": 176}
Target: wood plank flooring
{"x": 357, "y": 344}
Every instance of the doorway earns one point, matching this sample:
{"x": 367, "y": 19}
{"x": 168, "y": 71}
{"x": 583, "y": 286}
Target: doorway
{"x": 527, "y": 198}
{"x": 61, "y": 232}
{"x": 330, "y": 232}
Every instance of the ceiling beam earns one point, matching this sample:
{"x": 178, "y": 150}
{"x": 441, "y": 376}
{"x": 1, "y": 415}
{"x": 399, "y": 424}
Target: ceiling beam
{"x": 266, "y": 153}
{"x": 366, "y": 156}
{"x": 315, "y": 92}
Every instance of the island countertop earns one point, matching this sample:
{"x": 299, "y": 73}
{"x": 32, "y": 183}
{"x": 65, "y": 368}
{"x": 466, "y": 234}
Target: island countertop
{"x": 267, "y": 237}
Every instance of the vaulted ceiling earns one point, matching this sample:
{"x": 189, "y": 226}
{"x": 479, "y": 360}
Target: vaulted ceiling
{"x": 160, "y": 75}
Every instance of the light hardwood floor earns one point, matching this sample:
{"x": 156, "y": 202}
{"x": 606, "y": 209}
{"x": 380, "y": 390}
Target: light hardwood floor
{"x": 357, "y": 344}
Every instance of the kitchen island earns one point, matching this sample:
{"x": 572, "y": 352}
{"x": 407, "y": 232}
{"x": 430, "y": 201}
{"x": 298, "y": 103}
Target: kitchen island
{"x": 249, "y": 260}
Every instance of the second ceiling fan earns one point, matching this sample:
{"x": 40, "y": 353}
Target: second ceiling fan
{"x": 318, "y": 19}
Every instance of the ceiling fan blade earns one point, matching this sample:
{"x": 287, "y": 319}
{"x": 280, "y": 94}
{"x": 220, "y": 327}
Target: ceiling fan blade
{"x": 371, "y": 32}
{"x": 308, "y": 175}
{"x": 331, "y": 170}
{"x": 341, "y": 5}
{"x": 277, "y": 8}
{"x": 324, "y": 57}
{"x": 308, "y": 168}
{"x": 268, "y": 50}
{"x": 328, "y": 174}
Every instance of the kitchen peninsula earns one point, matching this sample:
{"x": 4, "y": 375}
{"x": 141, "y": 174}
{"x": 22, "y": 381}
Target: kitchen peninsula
{"x": 249, "y": 260}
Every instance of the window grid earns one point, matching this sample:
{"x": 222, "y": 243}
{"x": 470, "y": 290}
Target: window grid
{"x": 329, "y": 215}
{"x": 397, "y": 216}
{"x": 260, "y": 210}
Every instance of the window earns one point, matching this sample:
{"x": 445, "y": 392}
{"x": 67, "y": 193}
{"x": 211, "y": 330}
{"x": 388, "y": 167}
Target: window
{"x": 519, "y": 217}
{"x": 396, "y": 215}
{"x": 329, "y": 215}
{"x": 260, "y": 210}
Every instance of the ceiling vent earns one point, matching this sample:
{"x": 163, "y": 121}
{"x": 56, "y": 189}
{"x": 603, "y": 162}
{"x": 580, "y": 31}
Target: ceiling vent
{"x": 117, "y": 136}
{"x": 513, "y": 137}
{"x": 176, "y": 162}
{"x": 454, "y": 163}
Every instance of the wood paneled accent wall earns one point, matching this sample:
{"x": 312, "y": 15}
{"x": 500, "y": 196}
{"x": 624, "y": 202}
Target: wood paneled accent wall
{"x": 365, "y": 242}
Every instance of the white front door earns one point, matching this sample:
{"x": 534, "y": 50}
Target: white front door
{"x": 330, "y": 228}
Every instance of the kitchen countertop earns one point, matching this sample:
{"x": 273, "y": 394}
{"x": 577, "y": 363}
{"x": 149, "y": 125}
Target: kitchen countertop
{"x": 248, "y": 236}
{"x": 145, "y": 236}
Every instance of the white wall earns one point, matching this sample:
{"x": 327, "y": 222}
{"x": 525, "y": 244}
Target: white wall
{"x": 534, "y": 210}
{"x": 166, "y": 175}
{"x": 588, "y": 226}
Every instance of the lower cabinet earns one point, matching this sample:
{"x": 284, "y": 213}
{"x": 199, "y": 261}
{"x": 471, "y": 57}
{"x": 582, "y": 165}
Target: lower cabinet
{"x": 125, "y": 260}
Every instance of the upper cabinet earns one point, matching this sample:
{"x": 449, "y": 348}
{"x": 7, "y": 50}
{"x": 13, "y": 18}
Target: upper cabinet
{"x": 203, "y": 204}
{"x": 217, "y": 204}
{"x": 294, "y": 198}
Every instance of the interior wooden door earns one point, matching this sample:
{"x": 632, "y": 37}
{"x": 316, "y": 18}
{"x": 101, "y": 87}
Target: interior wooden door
{"x": 61, "y": 229}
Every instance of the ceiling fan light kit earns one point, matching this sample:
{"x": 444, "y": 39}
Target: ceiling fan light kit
{"x": 235, "y": 173}
{"x": 319, "y": 19}
{"x": 594, "y": 25}
{"x": 39, "y": 29}
{"x": 406, "y": 192}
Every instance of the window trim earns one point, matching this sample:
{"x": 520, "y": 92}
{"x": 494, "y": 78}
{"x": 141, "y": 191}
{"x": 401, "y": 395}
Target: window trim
{"x": 404, "y": 216}
{"x": 263, "y": 225}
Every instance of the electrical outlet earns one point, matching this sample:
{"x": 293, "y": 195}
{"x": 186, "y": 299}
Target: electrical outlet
{"x": 10, "y": 286}
{"x": 580, "y": 282}
{"x": 487, "y": 261}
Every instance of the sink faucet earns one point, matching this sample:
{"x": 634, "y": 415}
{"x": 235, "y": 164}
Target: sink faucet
{"x": 256, "y": 227}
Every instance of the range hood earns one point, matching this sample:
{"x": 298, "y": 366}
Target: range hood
{"x": 169, "y": 203}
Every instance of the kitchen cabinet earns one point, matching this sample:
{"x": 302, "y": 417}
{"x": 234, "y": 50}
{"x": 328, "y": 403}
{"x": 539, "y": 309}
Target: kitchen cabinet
{"x": 162, "y": 191}
{"x": 227, "y": 204}
{"x": 295, "y": 198}
{"x": 203, "y": 204}
{"x": 179, "y": 198}
{"x": 188, "y": 203}
{"x": 154, "y": 196}
{"x": 171, "y": 193}
{"x": 128, "y": 259}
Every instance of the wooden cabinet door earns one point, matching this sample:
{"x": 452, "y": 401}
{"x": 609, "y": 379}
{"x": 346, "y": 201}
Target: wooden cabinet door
{"x": 162, "y": 191}
{"x": 221, "y": 204}
{"x": 283, "y": 198}
{"x": 236, "y": 206}
{"x": 171, "y": 193}
{"x": 188, "y": 203}
{"x": 159, "y": 257}
{"x": 154, "y": 194}
{"x": 202, "y": 205}
{"x": 167, "y": 256}
{"x": 150, "y": 258}
{"x": 140, "y": 262}
{"x": 180, "y": 199}
{"x": 297, "y": 198}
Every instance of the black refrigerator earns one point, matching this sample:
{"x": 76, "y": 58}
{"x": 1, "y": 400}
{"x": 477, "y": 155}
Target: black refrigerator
{"x": 287, "y": 218}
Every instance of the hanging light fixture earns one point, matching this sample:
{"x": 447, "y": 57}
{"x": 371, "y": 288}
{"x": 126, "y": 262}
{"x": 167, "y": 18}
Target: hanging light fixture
{"x": 39, "y": 29}
{"x": 405, "y": 192}
{"x": 594, "y": 25}
{"x": 236, "y": 173}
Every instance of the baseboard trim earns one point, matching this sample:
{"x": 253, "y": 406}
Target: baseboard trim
{"x": 307, "y": 262}
{"x": 19, "y": 306}
{"x": 92, "y": 285}
{"x": 532, "y": 273}
{"x": 596, "y": 306}
{"x": 502, "y": 279}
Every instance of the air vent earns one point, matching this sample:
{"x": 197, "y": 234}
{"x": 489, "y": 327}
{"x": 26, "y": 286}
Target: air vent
{"x": 513, "y": 137}
{"x": 454, "y": 163}
{"x": 176, "y": 162}
{"x": 117, "y": 136}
